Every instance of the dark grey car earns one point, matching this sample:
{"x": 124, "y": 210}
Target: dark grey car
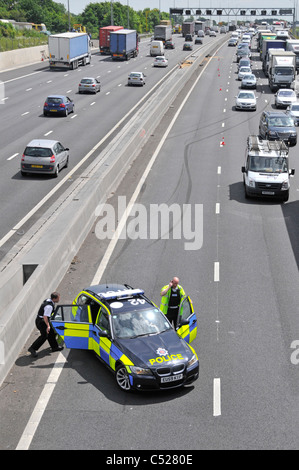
{"x": 277, "y": 125}
{"x": 44, "y": 156}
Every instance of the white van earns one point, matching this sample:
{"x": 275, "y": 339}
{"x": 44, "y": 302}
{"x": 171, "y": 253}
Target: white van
{"x": 266, "y": 171}
{"x": 157, "y": 48}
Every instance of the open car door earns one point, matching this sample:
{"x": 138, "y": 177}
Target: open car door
{"x": 186, "y": 326}
{"x": 73, "y": 323}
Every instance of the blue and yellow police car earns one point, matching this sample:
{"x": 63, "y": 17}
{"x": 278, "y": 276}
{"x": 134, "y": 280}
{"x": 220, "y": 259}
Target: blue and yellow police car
{"x": 131, "y": 336}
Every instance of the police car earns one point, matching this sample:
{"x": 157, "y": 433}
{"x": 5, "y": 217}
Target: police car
{"x": 131, "y": 336}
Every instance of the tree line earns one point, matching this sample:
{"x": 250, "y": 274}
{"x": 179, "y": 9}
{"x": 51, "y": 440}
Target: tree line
{"x": 95, "y": 15}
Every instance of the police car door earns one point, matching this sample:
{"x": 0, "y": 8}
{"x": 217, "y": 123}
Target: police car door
{"x": 73, "y": 323}
{"x": 187, "y": 321}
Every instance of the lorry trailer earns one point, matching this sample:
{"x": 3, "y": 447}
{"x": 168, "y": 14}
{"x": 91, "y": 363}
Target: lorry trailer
{"x": 69, "y": 50}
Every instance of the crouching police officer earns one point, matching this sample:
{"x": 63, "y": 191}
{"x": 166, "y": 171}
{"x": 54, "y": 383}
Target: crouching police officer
{"x": 43, "y": 325}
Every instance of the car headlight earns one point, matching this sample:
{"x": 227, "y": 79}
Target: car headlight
{"x": 285, "y": 185}
{"x": 140, "y": 370}
{"x": 192, "y": 361}
{"x": 272, "y": 132}
{"x": 251, "y": 183}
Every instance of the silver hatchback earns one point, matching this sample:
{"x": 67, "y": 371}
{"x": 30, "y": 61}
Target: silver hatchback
{"x": 44, "y": 156}
{"x": 89, "y": 85}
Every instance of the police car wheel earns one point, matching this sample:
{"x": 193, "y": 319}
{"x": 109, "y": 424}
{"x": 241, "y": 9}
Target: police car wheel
{"x": 122, "y": 378}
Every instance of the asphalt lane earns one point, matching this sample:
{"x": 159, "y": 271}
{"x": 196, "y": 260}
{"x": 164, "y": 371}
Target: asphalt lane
{"x": 242, "y": 280}
{"x": 95, "y": 115}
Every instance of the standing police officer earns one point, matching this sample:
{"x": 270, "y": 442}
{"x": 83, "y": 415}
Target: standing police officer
{"x": 172, "y": 295}
{"x": 43, "y": 325}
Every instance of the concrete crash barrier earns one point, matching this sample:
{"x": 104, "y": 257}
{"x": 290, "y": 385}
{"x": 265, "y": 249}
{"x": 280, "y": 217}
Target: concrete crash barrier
{"x": 35, "y": 266}
{"x": 21, "y": 57}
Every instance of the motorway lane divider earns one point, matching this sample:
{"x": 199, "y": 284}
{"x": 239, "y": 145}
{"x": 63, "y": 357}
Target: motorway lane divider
{"x": 37, "y": 264}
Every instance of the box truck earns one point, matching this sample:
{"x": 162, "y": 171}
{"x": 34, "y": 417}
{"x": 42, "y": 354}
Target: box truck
{"x": 68, "y": 50}
{"x": 163, "y": 33}
{"x": 281, "y": 70}
{"x": 123, "y": 44}
{"x": 293, "y": 46}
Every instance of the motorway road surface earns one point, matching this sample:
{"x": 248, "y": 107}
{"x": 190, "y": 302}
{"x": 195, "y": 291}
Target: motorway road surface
{"x": 85, "y": 132}
{"x": 243, "y": 281}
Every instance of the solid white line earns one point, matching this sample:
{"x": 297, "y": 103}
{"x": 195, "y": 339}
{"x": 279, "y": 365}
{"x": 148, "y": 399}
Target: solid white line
{"x": 41, "y": 404}
{"x": 23, "y": 76}
{"x": 216, "y": 271}
{"x": 216, "y": 397}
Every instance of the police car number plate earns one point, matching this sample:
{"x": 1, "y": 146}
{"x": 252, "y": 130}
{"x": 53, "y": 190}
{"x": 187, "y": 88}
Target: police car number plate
{"x": 171, "y": 378}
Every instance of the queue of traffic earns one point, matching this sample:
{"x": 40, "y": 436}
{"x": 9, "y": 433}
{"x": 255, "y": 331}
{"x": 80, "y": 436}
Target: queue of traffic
{"x": 266, "y": 171}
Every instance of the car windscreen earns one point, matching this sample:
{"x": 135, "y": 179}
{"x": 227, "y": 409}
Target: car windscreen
{"x": 135, "y": 75}
{"x": 269, "y": 164}
{"x": 38, "y": 152}
{"x": 86, "y": 80}
{"x": 286, "y": 93}
{"x": 283, "y": 121}
{"x": 246, "y": 96}
{"x": 295, "y": 107}
{"x": 248, "y": 77}
{"x": 134, "y": 323}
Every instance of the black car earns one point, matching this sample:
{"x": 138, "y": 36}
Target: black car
{"x": 198, "y": 41}
{"x": 278, "y": 125}
{"x": 131, "y": 336}
{"x": 169, "y": 45}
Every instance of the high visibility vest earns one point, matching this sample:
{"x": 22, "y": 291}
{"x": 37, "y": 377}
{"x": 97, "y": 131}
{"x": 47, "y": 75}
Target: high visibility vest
{"x": 165, "y": 298}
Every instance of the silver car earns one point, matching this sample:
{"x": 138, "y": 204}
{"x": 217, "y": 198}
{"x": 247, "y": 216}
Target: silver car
{"x": 89, "y": 85}
{"x": 136, "y": 78}
{"x": 160, "y": 61}
{"x": 44, "y": 156}
{"x": 293, "y": 111}
{"x": 246, "y": 100}
{"x": 285, "y": 97}
{"x": 243, "y": 71}
{"x": 249, "y": 81}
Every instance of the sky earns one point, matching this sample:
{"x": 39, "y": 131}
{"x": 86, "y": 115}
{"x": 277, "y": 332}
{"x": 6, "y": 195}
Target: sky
{"x": 77, "y": 6}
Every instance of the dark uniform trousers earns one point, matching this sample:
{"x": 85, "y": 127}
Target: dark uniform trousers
{"x": 44, "y": 336}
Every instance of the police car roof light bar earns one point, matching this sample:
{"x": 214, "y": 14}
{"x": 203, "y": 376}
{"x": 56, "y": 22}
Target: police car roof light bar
{"x": 124, "y": 293}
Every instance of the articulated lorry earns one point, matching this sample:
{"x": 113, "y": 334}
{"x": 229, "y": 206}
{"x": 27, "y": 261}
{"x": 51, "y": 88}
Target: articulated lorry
{"x": 104, "y": 38}
{"x": 69, "y": 50}
{"x": 293, "y": 46}
{"x": 281, "y": 70}
{"x": 123, "y": 44}
{"x": 163, "y": 33}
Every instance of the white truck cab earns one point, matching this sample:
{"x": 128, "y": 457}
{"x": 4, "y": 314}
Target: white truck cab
{"x": 266, "y": 172}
